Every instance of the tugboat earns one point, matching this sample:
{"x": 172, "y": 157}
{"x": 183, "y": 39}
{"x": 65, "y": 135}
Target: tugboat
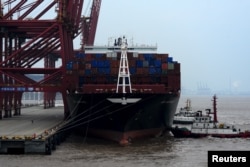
{"x": 207, "y": 125}
{"x": 185, "y": 115}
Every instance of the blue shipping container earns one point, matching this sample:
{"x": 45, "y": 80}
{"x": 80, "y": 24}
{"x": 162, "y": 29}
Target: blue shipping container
{"x": 100, "y": 64}
{"x": 80, "y": 55}
{"x": 170, "y": 59}
{"x": 151, "y": 63}
{"x": 87, "y": 71}
{"x": 98, "y": 56}
{"x": 157, "y": 63}
{"x": 104, "y": 63}
{"x": 81, "y": 79}
{"x": 103, "y": 70}
{"x": 94, "y": 63}
{"x": 132, "y": 70}
{"x": 69, "y": 65}
{"x": 139, "y": 63}
{"x": 147, "y": 57}
{"x": 154, "y": 70}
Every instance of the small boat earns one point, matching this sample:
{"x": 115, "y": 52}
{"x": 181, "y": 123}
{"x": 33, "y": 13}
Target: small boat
{"x": 207, "y": 125}
{"x": 185, "y": 115}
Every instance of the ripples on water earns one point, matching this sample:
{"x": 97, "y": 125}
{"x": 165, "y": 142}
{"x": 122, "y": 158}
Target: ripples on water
{"x": 165, "y": 151}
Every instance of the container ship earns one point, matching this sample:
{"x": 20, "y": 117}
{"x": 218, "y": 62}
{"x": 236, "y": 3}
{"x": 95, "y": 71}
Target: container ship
{"x": 125, "y": 92}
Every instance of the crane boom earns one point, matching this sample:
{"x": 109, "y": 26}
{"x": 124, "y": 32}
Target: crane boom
{"x": 90, "y": 24}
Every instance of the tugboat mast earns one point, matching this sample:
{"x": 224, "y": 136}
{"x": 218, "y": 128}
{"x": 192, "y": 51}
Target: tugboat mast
{"x": 214, "y": 108}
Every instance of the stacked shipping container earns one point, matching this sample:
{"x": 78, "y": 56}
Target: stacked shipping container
{"x": 144, "y": 69}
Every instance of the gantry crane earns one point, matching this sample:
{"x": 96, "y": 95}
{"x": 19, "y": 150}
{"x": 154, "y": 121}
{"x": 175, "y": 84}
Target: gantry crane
{"x": 25, "y": 41}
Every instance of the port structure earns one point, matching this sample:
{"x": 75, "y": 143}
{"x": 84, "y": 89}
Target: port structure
{"x": 123, "y": 74}
{"x": 27, "y": 38}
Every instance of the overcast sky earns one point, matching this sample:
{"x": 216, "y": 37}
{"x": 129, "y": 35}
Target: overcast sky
{"x": 210, "y": 38}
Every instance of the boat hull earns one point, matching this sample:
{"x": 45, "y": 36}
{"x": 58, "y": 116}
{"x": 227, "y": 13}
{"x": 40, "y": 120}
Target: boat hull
{"x": 123, "y": 117}
{"x": 186, "y": 133}
{"x": 181, "y": 132}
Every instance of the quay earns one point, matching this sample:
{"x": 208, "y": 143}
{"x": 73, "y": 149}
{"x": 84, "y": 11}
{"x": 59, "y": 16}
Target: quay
{"x": 36, "y": 130}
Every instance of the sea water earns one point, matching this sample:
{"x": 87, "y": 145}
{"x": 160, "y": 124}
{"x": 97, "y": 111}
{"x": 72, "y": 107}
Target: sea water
{"x": 78, "y": 151}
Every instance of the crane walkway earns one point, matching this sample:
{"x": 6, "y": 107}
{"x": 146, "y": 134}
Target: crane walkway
{"x": 34, "y": 131}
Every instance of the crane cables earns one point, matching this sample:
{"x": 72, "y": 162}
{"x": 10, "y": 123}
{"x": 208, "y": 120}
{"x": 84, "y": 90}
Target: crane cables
{"x": 73, "y": 120}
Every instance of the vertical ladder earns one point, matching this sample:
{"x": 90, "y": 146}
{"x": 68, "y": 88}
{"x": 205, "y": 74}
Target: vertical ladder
{"x": 123, "y": 70}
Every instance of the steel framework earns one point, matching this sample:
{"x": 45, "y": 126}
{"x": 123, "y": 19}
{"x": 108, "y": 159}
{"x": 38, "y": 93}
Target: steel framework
{"x": 25, "y": 41}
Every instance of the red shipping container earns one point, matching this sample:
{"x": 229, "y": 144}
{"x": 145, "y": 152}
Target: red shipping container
{"x": 132, "y": 63}
{"x": 145, "y": 80}
{"x": 164, "y": 57}
{"x": 81, "y": 72}
{"x": 75, "y": 66}
{"x": 164, "y": 79}
{"x": 164, "y": 66}
{"x": 177, "y": 67}
{"x": 130, "y": 56}
{"x": 141, "y": 57}
{"x": 88, "y": 57}
{"x": 139, "y": 71}
{"x": 81, "y": 65}
{"x": 115, "y": 63}
{"x": 114, "y": 71}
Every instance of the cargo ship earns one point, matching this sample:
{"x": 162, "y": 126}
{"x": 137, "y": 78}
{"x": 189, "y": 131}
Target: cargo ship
{"x": 125, "y": 92}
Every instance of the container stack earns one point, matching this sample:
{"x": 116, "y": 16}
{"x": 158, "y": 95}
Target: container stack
{"x": 144, "y": 68}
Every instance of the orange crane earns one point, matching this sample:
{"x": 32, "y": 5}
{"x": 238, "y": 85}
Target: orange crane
{"x": 90, "y": 24}
{"x": 24, "y": 42}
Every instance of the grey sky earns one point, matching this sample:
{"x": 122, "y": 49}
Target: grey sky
{"x": 210, "y": 38}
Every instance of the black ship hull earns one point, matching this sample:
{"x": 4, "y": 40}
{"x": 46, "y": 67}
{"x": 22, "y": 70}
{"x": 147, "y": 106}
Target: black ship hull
{"x": 123, "y": 117}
